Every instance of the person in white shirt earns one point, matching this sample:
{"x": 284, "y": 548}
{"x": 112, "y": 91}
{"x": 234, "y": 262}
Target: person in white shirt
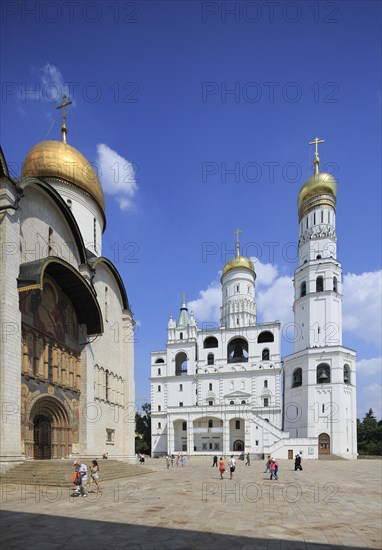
{"x": 84, "y": 477}
{"x": 232, "y": 466}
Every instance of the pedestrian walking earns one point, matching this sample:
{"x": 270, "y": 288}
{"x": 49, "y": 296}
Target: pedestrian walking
{"x": 232, "y": 466}
{"x": 172, "y": 460}
{"x": 94, "y": 476}
{"x": 82, "y": 469}
{"x": 221, "y": 467}
{"x": 274, "y": 469}
{"x": 182, "y": 460}
{"x": 215, "y": 462}
{"x": 248, "y": 460}
{"x": 268, "y": 465}
{"x": 168, "y": 461}
{"x": 177, "y": 460}
{"x": 297, "y": 462}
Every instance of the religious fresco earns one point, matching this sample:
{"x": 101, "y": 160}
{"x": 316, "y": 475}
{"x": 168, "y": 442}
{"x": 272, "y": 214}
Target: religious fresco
{"x": 51, "y": 312}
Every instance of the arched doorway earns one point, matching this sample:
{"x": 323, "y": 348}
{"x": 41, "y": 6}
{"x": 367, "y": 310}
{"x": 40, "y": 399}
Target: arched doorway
{"x": 50, "y": 434}
{"x": 238, "y": 445}
{"x": 324, "y": 444}
{"x": 42, "y": 438}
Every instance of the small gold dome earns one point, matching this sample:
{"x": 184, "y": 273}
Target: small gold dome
{"x": 236, "y": 262}
{"x": 56, "y": 159}
{"x": 318, "y": 184}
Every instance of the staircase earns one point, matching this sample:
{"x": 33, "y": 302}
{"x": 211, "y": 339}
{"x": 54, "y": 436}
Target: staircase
{"x": 58, "y": 473}
{"x": 330, "y": 457}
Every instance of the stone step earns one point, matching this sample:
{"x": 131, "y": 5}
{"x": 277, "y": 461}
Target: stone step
{"x": 330, "y": 457}
{"x": 59, "y": 473}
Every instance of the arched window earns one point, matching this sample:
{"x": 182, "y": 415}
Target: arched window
{"x": 159, "y": 360}
{"x": 159, "y": 388}
{"x": 232, "y": 402}
{"x": 180, "y": 387}
{"x": 303, "y": 289}
{"x": 320, "y": 284}
{"x": 237, "y": 424}
{"x": 181, "y": 364}
{"x": 210, "y": 424}
{"x": 266, "y": 402}
{"x": 184, "y": 426}
{"x": 237, "y": 350}
{"x": 210, "y": 342}
{"x": 265, "y": 336}
{"x": 265, "y": 354}
{"x": 334, "y": 284}
{"x": 297, "y": 378}
{"x": 243, "y": 402}
{"x": 265, "y": 383}
{"x": 210, "y": 359}
{"x": 346, "y": 374}
{"x": 159, "y": 408}
{"x": 159, "y": 372}
{"x": 181, "y": 335}
{"x": 323, "y": 374}
{"x": 159, "y": 425}
{"x": 210, "y": 387}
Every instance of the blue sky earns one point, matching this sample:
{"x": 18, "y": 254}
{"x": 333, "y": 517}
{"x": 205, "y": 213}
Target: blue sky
{"x": 206, "y": 109}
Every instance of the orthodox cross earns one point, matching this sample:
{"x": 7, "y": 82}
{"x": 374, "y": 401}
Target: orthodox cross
{"x": 237, "y": 233}
{"x": 63, "y": 106}
{"x": 316, "y": 141}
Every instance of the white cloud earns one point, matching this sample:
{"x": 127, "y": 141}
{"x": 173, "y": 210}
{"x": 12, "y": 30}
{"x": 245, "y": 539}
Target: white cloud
{"x": 207, "y": 306}
{"x": 362, "y": 306}
{"x": 266, "y": 273}
{"x": 369, "y": 397}
{"x": 53, "y": 85}
{"x": 369, "y": 367}
{"x": 117, "y": 175}
{"x": 276, "y": 301}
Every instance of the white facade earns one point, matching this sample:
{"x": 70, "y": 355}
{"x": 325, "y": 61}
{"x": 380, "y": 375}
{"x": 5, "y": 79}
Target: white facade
{"x": 66, "y": 372}
{"x": 320, "y": 376}
{"x": 224, "y": 390}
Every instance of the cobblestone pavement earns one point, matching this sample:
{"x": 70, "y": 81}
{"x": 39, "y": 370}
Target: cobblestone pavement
{"x": 327, "y": 505}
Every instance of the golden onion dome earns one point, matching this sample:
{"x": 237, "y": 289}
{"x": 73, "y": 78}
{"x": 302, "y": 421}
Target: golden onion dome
{"x": 58, "y": 160}
{"x": 318, "y": 184}
{"x": 238, "y": 262}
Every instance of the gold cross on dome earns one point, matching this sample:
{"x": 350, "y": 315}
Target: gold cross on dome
{"x": 63, "y": 106}
{"x": 316, "y": 141}
{"x": 237, "y": 233}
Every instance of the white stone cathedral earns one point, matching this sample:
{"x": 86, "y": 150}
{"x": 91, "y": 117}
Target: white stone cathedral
{"x": 227, "y": 389}
{"x": 66, "y": 365}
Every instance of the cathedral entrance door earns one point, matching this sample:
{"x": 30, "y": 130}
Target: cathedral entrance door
{"x": 324, "y": 444}
{"x": 238, "y": 445}
{"x": 42, "y": 432}
{"x": 290, "y": 454}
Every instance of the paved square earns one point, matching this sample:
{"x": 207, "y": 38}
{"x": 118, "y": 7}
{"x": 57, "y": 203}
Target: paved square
{"x": 328, "y": 504}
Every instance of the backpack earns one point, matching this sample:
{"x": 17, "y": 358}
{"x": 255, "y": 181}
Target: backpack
{"x": 76, "y": 478}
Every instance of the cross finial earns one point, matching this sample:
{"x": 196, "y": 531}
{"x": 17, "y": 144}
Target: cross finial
{"x": 63, "y": 106}
{"x": 316, "y": 141}
{"x": 237, "y": 233}
{"x": 183, "y": 297}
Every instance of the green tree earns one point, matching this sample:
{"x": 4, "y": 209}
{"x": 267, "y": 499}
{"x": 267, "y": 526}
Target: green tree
{"x": 369, "y": 435}
{"x": 143, "y": 429}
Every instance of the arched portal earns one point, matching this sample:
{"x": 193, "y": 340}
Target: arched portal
{"x": 42, "y": 438}
{"x": 49, "y": 435}
{"x": 324, "y": 444}
{"x": 238, "y": 445}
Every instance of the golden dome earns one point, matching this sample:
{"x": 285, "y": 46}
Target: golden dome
{"x": 236, "y": 262}
{"x": 319, "y": 184}
{"x": 56, "y": 159}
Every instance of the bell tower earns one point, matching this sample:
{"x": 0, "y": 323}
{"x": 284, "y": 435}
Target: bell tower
{"x": 319, "y": 377}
